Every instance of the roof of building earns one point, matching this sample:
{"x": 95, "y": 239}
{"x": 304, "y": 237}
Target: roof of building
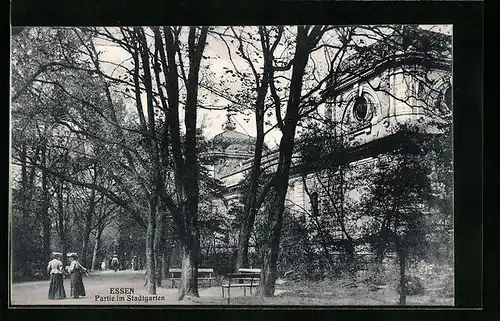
{"x": 233, "y": 135}
{"x": 404, "y": 43}
{"x": 404, "y": 40}
{"x": 231, "y": 140}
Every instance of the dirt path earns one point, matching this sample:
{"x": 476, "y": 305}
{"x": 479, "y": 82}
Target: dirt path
{"x": 311, "y": 294}
{"x": 99, "y": 284}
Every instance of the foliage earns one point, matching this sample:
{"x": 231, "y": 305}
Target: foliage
{"x": 435, "y": 277}
{"x": 296, "y": 249}
{"x": 112, "y": 147}
{"x": 413, "y": 286}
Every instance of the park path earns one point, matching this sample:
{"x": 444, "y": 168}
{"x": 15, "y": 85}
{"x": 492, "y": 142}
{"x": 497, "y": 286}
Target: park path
{"x": 99, "y": 283}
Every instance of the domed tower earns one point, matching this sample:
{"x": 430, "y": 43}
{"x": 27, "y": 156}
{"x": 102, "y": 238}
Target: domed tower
{"x": 230, "y": 149}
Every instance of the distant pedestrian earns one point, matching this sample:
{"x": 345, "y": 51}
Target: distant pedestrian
{"x": 103, "y": 265}
{"x": 76, "y": 270}
{"x": 135, "y": 266}
{"x": 55, "y": 270}
{"x": 115, "y": 264}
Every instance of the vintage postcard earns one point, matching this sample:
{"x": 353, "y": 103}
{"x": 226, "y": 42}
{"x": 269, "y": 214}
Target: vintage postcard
{"x": 232, "y": 165}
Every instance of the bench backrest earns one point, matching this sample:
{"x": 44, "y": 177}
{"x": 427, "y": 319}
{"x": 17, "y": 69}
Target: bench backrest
{"x": 246, "y": 275}
{"x": 200, "y": 270}
{"x": 205, "y": 270}
{"x": 246, "y": 270}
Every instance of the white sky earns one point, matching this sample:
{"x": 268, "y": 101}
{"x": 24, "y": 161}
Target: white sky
{"x": 213, "y": 120}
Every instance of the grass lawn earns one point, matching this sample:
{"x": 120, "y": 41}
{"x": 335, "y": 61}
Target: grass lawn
{"x": 353, "y": 290}
{"x": 340, "y": 292}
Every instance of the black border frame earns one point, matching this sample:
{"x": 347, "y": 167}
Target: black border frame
{"x": 467, "y": 20}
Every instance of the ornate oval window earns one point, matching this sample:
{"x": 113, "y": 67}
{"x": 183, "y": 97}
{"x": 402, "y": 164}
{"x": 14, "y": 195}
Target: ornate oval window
{"x": 444, "y": 102}
{"x": 362, "y": 109}
{"x": 448, "y": 98}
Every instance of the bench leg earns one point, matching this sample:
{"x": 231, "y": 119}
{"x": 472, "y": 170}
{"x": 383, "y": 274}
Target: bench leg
{"x": 244, "y": 291}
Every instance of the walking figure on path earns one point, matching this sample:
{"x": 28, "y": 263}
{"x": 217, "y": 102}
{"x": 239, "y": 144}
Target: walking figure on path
{"x": 76, "y": 270}
{"x": 114, "y": 263}
{"x": 55, "y": 270}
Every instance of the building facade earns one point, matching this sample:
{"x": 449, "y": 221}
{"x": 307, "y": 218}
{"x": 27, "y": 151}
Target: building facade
{"x": 382, "y": 96}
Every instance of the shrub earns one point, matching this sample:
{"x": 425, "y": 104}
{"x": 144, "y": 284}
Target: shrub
{"x": 414, "y": 286}
{"x": 448, "y": 289}
{"x": 439, "y": 277}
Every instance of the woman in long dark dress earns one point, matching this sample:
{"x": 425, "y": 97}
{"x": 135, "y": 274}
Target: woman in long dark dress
{"x": 55, "y": 270}
{"x": 76, "y": 271}
{"x": 114, "y": 263}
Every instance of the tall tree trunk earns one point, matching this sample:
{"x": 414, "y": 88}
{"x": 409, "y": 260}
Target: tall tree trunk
{"x": 288, "y": 127}
{"x": 251, "y": 206}
{"x": 190, "y": 245}
{"x": 159, "y": 244}
{"x": 64, "y": 241}
{"x": 380, "y": 247}
{"x": 23, "y": 254}
{"x": 250, "y": 210}
{"x": 349, "y": 251}
{"x": 150, "y": 248}
{"x": 189, "y": 279}
{"x": 159, "y": 268}
{"x": 97, "y": 245}
{"x": 45, "y": 208}
{"x": 383, "y": 239}
{"x": 243, "y": 240}
{"x": 86, "y": 241}
{"x": 61, "y": 223}
{"x": 88, "y": 222}
{"x": 275, "y": 219}
{"x": 64, "y": 251}
{"x": 23, "y": 199}
{"x": 349, "y": 247}
{"x": 402, "y": 254}
{"x": 164, "y": 262}
{"x": 185, "y": 212}
{"x": 167, "y": 250}
{"x": 316, "y": 215}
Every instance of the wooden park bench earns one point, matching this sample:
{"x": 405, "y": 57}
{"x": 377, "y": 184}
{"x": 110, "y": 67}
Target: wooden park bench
{"x": 204, "y": 274}
{"x": 245, "y": 278}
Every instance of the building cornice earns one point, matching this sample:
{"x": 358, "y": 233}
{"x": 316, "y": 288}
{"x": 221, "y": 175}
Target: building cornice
{"x": 390, "y": 62}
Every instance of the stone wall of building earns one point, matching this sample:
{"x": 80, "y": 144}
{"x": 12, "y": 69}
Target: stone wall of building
{"x": 368, "y": 110}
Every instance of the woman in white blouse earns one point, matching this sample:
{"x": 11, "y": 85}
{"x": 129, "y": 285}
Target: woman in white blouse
{"x": 55, "y": 270}
{"x": 76, "y": 270}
